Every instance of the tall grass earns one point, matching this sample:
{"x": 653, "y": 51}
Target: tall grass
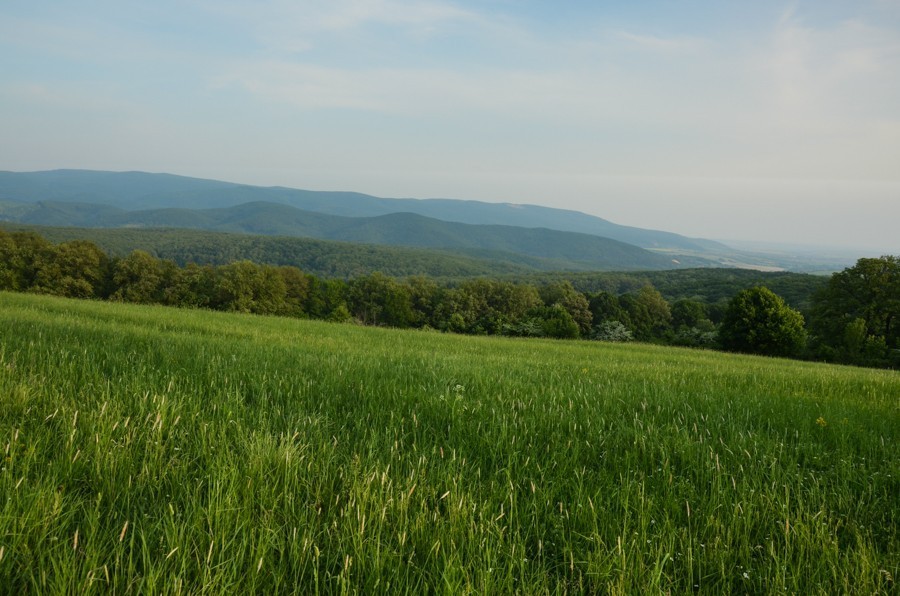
{"x": 156, "y": 450}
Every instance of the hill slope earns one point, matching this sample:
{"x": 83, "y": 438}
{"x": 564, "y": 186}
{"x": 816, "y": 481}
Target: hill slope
{"x": 149, "y": 448}
{"x": 564, "y": 250}
{"x": 325, "y": 258}
{"x": 140, "y": 190}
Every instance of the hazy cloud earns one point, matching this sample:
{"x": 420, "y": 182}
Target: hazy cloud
{"x": 663, "y": 44}
{"x": 512, "y": 101}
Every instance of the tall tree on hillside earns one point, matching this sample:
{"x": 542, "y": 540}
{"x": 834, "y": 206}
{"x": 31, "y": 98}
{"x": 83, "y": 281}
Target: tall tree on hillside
{"x": 137, "y": 278}
{"x": 759, "y": 322}
{"x": 423, "y": 296}
{"x": 377, "y": 299}
{"x": 689, "y": 313}
{"x": 862, "y": 301}
{"x": 557, "y": 322}
{"x": 648, "y": 313}
{"x": 246, "y": 287}
{"x": 192, "y": 286}
{"x": 691, "y": 324}
{"x": 73, "y": 269}
{"x": 26, "y": 256}
{"x": 575, "y": 303}
{"x": 483, "y": 306}
{"x": 11, "y": 263}
{"x": 605, "y": 306}
{"x": 327, "y": 299}
{"x": 296, "y": 287}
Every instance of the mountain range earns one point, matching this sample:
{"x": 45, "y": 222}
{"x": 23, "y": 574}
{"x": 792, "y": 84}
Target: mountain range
{"x": 563, "y": 239}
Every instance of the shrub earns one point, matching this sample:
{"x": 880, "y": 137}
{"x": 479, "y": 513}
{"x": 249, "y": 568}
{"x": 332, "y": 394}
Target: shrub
{"x": 612, "y": 331}
{"x": 758, "y": 321}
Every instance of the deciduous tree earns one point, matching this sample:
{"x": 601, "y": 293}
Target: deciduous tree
{"x": 868, "y": 292}
{"x": 137, "y": 278}
{"x": 759, "y": 322}
{"x": 573, "y": 301}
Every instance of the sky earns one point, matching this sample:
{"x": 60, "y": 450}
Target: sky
{"x": 768, "y": 120}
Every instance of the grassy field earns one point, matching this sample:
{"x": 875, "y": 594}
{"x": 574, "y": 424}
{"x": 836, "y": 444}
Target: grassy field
{"x": 150, "y": 450}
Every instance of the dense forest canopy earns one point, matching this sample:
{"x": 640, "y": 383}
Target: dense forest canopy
{"x": 347, "y": 260}
{"x": 855, "y": 314}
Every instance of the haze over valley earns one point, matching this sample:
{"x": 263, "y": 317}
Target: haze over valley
{"x": 566, "y": 240}
{"x": 771, "y": 122}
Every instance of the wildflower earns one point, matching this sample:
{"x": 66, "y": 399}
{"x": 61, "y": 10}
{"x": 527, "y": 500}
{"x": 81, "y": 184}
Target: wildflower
{"x": 821, "y": 422}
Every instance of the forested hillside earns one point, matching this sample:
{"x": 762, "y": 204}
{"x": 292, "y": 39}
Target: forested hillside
{"x": 319, "y": 257}
{"x": 851, "y": 322}
{"x": 561, "y": 250}
{"x": 142, "y": 191}
{"x": 92, "y": 199}
{"x": 347, "y": 260}
{"x": 576, "y": 252}
{"x": 709, "y": 285}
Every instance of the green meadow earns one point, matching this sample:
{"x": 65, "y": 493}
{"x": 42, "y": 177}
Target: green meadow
{"x": 157, "y": 450}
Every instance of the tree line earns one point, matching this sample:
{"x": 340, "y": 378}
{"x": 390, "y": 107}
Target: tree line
{"x": 854, "y": 319}
{"x": 331, "y": 259}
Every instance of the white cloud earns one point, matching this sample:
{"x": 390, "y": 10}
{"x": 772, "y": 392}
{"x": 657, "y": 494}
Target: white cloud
{"x": 824, "y": 100}
{"x": 482, "y": 99}
{"x": 416, "y": 92}
{"x": 806, "y": 102}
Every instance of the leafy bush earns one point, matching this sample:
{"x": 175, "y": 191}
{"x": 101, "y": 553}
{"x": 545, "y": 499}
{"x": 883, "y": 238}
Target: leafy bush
{"x": 759, "y": 322}
{"x": 612, "y": 331}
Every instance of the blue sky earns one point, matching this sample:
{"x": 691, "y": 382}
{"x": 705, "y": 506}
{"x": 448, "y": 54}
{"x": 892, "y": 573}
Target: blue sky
{"x": 774, "y": 121}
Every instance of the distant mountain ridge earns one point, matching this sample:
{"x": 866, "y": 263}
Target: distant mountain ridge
{"x": 144, "y": 191}
{"x": 556, "y": 249}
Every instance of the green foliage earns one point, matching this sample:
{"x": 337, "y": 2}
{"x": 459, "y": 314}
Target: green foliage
{"x": 475, "y": 306}
{"x": 707, "y": 285}
{"x": 605, "y": 306}
{"x": 557, "y": 322}
{"x": 424, "y": 295}
{"x": 11, "y": 264}
{"x": 855, "y": 335}
{"x": 325, "y": 297}
{"x": 542, "y": 247}
{"x": 689, "y": 313}
{"x": 339, "y": 314}
{"x": 343, "y": 260}
{"x": 759, "y": 322}
{"x": 483, "y": 306}
{"x": 319, "y": 257}
{"x": 296, "y": 291}
{"x": 379, "y": 300}
{"x": 73, "y": 269}
{"x": 648, "y": 313}
{"x": 574, "y": 302}
{"x": 858, "y": 313}
{"x": 691, "y": 325}
{"x": 193, "y": 286}
{"x": 715, "y": 285}
{"x": 695, "y": 337}
{"x": 611, "y": 330}
{"x": 250, "y": 288}
{"x": 137, "y": 278}
{"x": 153, "y": 450}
